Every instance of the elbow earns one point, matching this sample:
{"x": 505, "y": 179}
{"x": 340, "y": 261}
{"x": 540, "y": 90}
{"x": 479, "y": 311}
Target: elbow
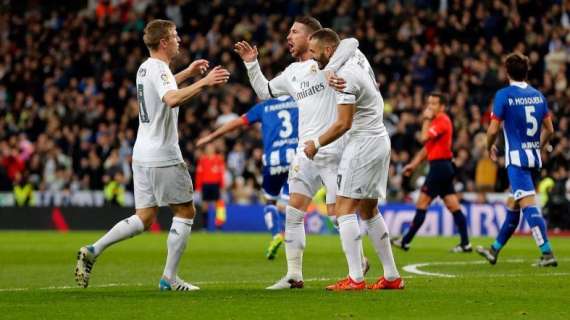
{"x": 344, "y": 127}
{"x": 171, "y": 101}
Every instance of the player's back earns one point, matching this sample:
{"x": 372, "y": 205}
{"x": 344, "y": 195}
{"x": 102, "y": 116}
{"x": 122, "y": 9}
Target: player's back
{"x": 157, "y": 135}
{"x": 523, "y": 108}
{"x": 362, "y": 90}
{"x": 279, "y": 125}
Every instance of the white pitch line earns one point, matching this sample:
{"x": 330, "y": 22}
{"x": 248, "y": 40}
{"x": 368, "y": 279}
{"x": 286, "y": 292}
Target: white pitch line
{"x": 414, "y": 268}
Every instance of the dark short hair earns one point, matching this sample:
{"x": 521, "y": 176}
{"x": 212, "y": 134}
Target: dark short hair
{"x": 310, "y": 23}
{"x": 155, "y": 31}
{"x": 517, "y": 65}
{"x": 441, "y": 96}
{"x": 326, "y": 36}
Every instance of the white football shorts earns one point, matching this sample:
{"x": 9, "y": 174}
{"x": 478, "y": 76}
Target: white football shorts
{"x": 363, "y": 168}
{"x": 161, "y": 186}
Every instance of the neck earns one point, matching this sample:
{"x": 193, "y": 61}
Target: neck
{"x": 305, "y": 56}
{"x": 160, "y": 56}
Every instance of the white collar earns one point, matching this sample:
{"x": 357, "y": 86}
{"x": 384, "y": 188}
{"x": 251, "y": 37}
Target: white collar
{"x": 520, "y": 84}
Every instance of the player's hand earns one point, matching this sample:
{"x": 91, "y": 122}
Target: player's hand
{"x": 217, "y": 76}
{"x": 198, "y": 67}
{"x": 246, "y": 51}
{"x": 493, "y": 153}
{"x": 337, "y": 83}
{"x": 408, "y": 170}
{"x": 204, "y": 141}
{"x": 310, "y": 149}
{"x": 428, "y": 114}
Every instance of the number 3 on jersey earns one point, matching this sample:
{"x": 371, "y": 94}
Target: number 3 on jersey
{"x": 142, "y": 107}
{"x": 530, "y": 119}
{"x": 287, "y": 126}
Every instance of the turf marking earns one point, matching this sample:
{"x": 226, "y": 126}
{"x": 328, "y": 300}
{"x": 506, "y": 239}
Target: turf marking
{"x": 415, "y": 268}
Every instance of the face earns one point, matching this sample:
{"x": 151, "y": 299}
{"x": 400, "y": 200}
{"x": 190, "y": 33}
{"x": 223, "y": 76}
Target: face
{"x": 298, "y": 40}
{"x": 434, "y": 104}
{"x": 319, "y": 53}
{"x": 171, "y": 44}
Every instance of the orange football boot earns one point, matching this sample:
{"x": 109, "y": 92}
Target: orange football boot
{"x": 382, "y": 284}
{"x": 347, "y": 284}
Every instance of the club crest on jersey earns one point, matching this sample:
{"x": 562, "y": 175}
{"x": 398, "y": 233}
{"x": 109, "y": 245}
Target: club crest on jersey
{"x": 314, "y": 69}
{"x": 164, "y": 78}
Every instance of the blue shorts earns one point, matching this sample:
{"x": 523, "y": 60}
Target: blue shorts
{"x": 439, "y": 180}
{"x": 523, "y": 181}
{"x": 275, "y": 186}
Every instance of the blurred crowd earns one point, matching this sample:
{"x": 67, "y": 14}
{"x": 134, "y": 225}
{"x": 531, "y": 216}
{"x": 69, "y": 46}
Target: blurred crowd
{"x": 69, "y": 115}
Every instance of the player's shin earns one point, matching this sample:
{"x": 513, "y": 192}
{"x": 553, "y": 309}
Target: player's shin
{"x": 352, "y": 245}
{"x": 507, "y": 229}
{"x": 419, "y": 219}
{"x": 176, "y": 243}
{"x": 124, "y": 229}
{"x": 378, "y": 234}
{"x": 294, "y": 242}
{"x": 461, "y": 224}
{"x": 538, "y": 227}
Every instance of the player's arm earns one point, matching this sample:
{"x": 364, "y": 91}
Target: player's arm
{"x": 343, "y": 123}
{"x": 547, "y": 131}
{"x": 495, "y": 125}
{"x": 196, "y": 68}
{"x": 221, "y": 131}
{"x": 264, "y": 88}
{"x": 492, "y": 133}
{"x": 416, "y": 161}
{"x": 174, "y": 98}
{"x": 346, "y": 49}
{"x": 428, "y": 130}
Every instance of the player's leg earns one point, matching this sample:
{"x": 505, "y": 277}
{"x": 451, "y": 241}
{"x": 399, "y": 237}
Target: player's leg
{"x": 380, "y": 238}
{"x": 452, "y": 203}
{"x": 174, "y": 187}
{"x": 303, "y": 184}
{"x": 534, "y": 218}
{"x": 509, "y": 226}
{"x": 145, "y": 214}
{"x": 422, "y": 204}
{"x": 271, "y": 186}
{"x": 345, "y": 209}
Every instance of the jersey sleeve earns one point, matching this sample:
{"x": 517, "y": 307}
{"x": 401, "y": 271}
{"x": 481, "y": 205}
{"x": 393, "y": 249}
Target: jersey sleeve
{"x": 254, "y": 114}
{"x": 348, "y": 95}
{"x": 344, "y": 51}
{"x": 279, "y": 86}
{"x": 438, "y": 127}
{"x": 499, "y": 106}
{"x": 547, "y": 113}
{"x": 163, "y": 81}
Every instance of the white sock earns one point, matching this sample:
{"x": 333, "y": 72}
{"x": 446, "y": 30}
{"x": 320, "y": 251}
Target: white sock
{"x": 294, "y": 242}
{"x": 176, "y": 244}
{"x": 124, "y": 229}
{"x": 352, "y": 245}
{"x": 378, "y": 233}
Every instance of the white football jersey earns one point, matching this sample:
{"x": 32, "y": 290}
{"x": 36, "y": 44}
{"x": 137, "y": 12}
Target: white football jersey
{"x": 362, "y": 91}
{"x": 157, "y": 136}
{"x": 317, "y": 102}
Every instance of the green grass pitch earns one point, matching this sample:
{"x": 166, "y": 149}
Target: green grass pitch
{"x": 36, "y": 281}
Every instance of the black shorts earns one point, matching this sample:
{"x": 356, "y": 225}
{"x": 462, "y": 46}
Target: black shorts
{"x": 210, "y": 192}
{"x": 439, "y": 180}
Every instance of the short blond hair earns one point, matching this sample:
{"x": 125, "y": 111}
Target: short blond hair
{"x": 155, "y": 31}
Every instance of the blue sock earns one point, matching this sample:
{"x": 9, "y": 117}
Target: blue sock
{"x": 461, "y": 224}
{"x": 419, "y": 219}
{"x": 507, "y": 229}
{"x": 538, "y": 228}
{"x": 271, "y": 215}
